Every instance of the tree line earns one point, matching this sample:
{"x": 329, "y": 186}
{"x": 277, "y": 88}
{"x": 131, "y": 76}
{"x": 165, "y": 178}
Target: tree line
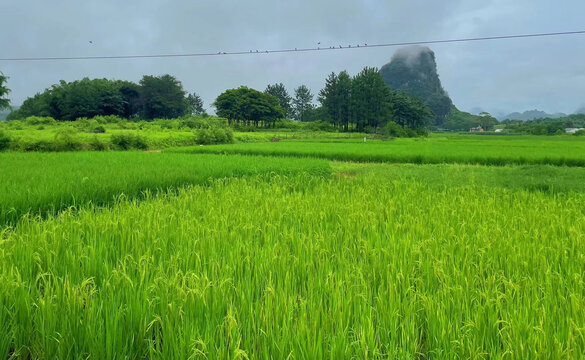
{"x": 356, "y": 103}
{"x": 153, "y": 97}
{"x": 349, "y": 103}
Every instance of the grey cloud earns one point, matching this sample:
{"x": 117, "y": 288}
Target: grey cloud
{"x": 511, "y": 75}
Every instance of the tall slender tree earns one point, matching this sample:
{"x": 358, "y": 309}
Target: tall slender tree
{"x": 279, "y": 92}
{"x": 302, "y": 103}
{"x": 4, "y": 101}
{"x": 328, "y": 97}
{"x": 195, "y": 104}
{"x": 371, "y": 99}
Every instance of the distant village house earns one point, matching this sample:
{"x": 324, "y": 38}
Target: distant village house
{"x": 573, "y": 130}
{"x": 476, "y": 129}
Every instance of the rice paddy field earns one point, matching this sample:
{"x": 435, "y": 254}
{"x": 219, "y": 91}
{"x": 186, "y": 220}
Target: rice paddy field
{"x": 240, "y": 255}
{"x": 462, "y": 149}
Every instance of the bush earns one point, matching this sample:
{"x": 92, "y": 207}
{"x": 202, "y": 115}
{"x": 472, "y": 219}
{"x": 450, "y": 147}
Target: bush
{"x": 288, "y": 124}
{"x": 391, "y": 130}
{"x": 65, "y": 140}
{"x": 202, "y": 122}
{"x": 15, "y": 125}
{"x": 4, "y": 140}
{"x": 170, "y": 124}
{"x": 34, "y": 145}
{"x": 215, "y": 136}
{"x": 109, "y": 119}
{"x": 97, "y": 144}
{"x": 579, "y": 132}
{"x": 98, "y": 129}
{"x": 318, "y": 126}
{"x": 129, "y": 141}
{"x": 39, "y": 120}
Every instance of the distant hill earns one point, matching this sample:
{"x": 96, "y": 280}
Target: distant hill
{"x": 413, "y": 70}
{"x": 4, "y": 114}
{"x": 580, "y": 111}
{"x": 531, "y": 115}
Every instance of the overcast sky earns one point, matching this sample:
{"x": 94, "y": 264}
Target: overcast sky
{"x": 497, "y": 76}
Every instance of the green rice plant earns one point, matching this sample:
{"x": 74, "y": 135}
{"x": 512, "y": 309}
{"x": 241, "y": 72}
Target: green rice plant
{"x": 487, "y": 150}
{"x": 45, "y": 183}
{"x": 301, "y": 267}
{"x": 542, "y": 178}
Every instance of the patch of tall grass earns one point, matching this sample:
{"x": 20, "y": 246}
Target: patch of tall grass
{"x": 543, "y": 178}
{"x": 45, "y": 183}
{"x": 301, "y": 267}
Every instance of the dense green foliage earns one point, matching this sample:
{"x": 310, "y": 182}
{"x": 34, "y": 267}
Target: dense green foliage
{"x": 414, "y": 71}
{"x": 301, "y": 267}
{"x": 545, "y": 126}
{"x": 111, "y": 133}
{"x": 154, "y": 97}
{"x": 162, "y": 97}
{"x": 45, "y": 183}
{"x": 469, "y": 149}
{"x": 365, "y": 102}
{"x": 335, "y": 99}
{"x": 370, "y": 99}
{"x": 409, "y": 112}
{"x": 284, "y": 99}
{"x": 248, "y": 106}
{"x": 463, "y": 121}
{"x": 4, "y": 140}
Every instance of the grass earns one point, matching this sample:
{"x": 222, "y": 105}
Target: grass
{"x": 301, "y": 267}
{"x": 190, "y": 255}
{"x": 543, "y": 178}
{"x": 27, "y": 136}
{"x": 486, "y": 150}
{"x": 42, "y": 183}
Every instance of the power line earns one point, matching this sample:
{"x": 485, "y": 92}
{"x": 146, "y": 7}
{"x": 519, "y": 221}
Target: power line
{"x": 330, "y": 48}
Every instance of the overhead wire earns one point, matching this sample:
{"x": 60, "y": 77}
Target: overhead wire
{"x": 293, "y": 50}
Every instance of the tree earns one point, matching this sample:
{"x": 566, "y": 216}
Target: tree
{"x": 162, "y": 97}
{"x": 370, "y": 99}
{"x": 248, "y": 105}
{"x": 410, "y": 112}
{"x": 4, "y": 101}
{"x": 82, "y": 98}
{"x": 329, "y": 99}
{"x": 487, "y": 121}
{"x": 302, "y": 103}
{"x": 195, "y": 104}
{"x": 279, "y": 92}
{"x": 131, "y": 94}
{"x": 89, "y": 98}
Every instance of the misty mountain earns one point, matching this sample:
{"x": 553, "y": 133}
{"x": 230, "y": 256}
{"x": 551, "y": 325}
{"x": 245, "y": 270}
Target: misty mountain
{"x": 413, "y": 70}
{"x": 4, "y": 113}
{"x": 532, "y": 114}
{"x": 580, "y": 110}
